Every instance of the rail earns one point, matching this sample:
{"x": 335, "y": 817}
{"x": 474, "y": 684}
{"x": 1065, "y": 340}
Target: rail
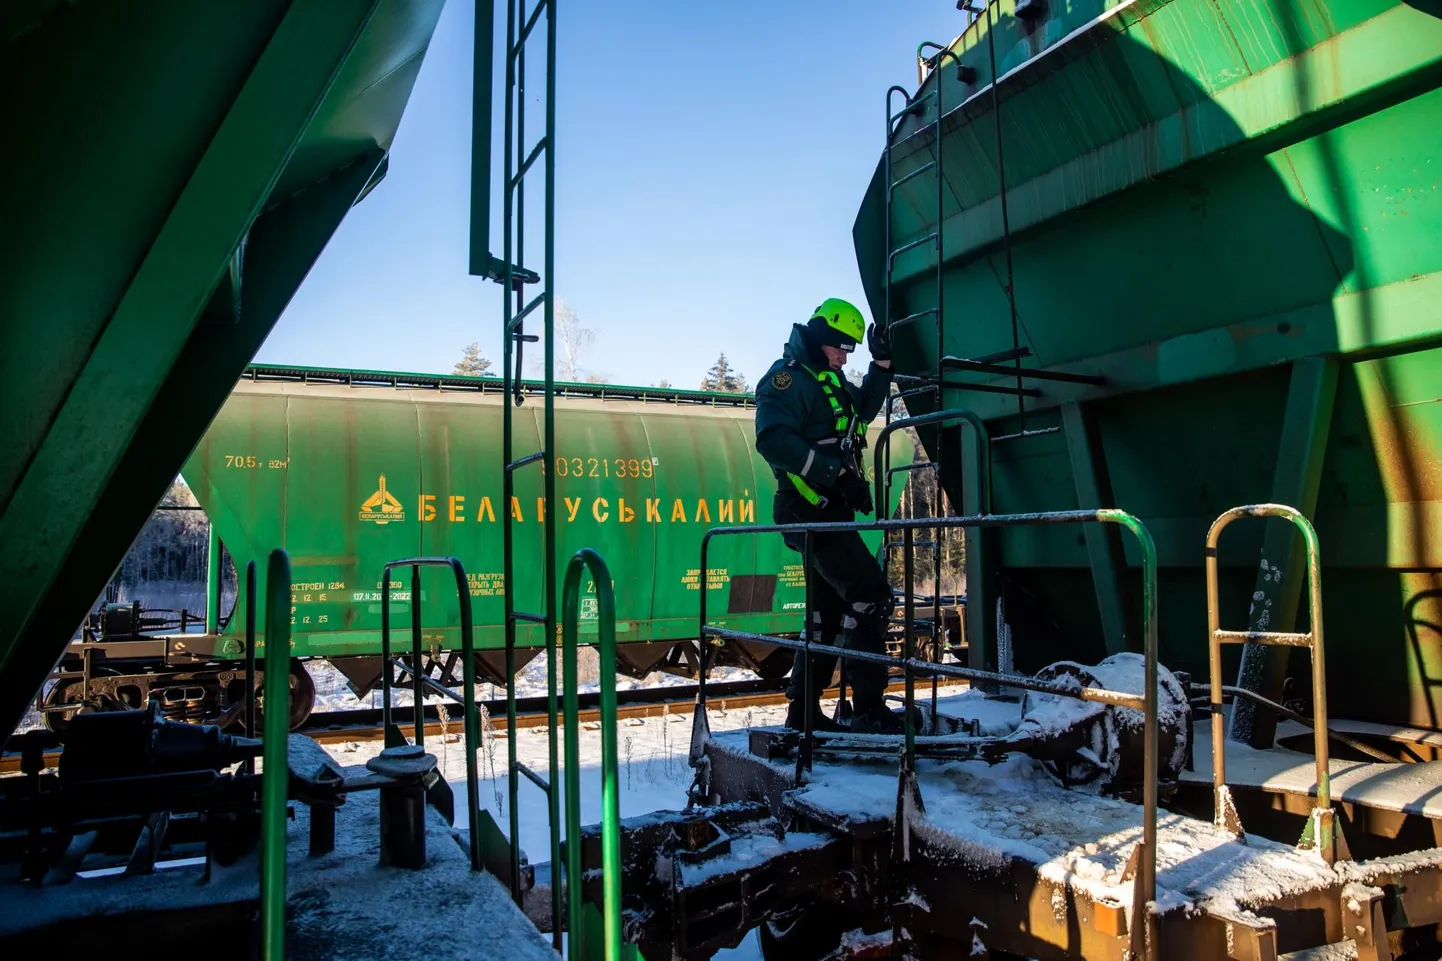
{"x": 1321, "y": 829}
{"x": 467, "y": 699}
{"x": 576, "y": 944}
{"x": 1145, "y": 855}
{"x": 275, "y": 775}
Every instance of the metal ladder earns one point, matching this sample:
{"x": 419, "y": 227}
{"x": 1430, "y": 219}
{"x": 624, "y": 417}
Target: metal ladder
{"x": 934, "y": 388}
{"x": 509, "y": 270}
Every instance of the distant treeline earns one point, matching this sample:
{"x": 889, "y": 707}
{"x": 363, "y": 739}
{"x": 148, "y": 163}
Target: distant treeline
{"x": 165, "y": 567}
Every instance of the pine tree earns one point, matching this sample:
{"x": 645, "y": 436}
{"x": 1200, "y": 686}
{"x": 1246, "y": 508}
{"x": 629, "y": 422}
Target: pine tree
{"x": 472, "y": 364}
{"x": 724, "y": 378}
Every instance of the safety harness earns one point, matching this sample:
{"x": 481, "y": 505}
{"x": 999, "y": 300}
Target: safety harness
{"x": 841, "y": 420}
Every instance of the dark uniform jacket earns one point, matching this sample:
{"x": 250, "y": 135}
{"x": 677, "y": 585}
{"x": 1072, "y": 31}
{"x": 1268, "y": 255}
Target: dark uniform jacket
{"x": 795, "y": 423}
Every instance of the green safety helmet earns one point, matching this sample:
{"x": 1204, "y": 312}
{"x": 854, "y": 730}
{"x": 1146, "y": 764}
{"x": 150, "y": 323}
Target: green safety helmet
{"x": 838, "y": 323}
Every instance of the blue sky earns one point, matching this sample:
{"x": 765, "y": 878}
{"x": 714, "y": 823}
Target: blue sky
{"x": 710, "y": 162}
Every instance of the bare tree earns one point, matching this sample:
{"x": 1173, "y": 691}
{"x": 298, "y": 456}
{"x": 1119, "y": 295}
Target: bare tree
{"x": 853, "y": 375}
{"x": 574, "y": 341}
{"x": 472, "y": 364}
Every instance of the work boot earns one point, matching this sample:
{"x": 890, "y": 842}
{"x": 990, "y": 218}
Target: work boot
{"x": 796, "y": 718}
{"x": 877, "y": 719}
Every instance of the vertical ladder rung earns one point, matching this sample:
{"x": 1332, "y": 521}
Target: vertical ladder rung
{"x": 911, "y": 318}
{"x": 526, "y": 164}
{"x": 915, "y": 391}
{"x": 911, "y": 105}
{"x": 526, "y": 616}
{"x": 928, "y": 239}
{"x": 1025, "y": 433}
{"x": 536, "y": 301}
{"x": 529, "y": 26}
{"x": 914, "y": 174}
{"x": 528, "y": 459}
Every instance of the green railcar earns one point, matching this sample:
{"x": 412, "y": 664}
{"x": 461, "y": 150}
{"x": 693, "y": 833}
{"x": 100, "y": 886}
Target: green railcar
{"x": 349, "y": 470}
{"x": 1220, "y": 225}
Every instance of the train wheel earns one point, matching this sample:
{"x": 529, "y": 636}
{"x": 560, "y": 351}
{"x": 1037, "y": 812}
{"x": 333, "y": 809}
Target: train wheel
{"x": 302, "y": 697}
{"x": 68, "y": 692}
{"x": 805, "y": 931}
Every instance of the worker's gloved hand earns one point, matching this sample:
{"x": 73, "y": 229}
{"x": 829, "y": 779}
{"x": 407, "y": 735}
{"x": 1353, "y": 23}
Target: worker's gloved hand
{"x": 855, "y": 491}
{"x": 878, "y": 341}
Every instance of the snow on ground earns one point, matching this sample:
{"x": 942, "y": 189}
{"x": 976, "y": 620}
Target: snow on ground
{"x": 332, "y": 693}
{"x": 652, "y": 774}
{"x": 652, "y": 768}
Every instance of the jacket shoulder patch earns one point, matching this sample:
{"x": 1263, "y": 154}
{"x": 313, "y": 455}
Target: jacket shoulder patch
{"x": 781, "y": 380}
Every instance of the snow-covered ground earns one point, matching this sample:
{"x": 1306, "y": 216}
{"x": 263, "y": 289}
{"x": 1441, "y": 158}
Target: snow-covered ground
{"x": 332, "y": 693}
{"x": 653, "y": 774}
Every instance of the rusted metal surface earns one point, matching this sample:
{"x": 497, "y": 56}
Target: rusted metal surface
{"x": 958, "y": 898}
{"x": 1321, "y": 831}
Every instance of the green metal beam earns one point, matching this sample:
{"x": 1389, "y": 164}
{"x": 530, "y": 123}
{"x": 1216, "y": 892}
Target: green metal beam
{"x": 482, "y": 95}
{"x": 1392, "y": 55}
{"x": 1393, "y": 318}
{"x": 1282, "y": 568}
{"x": 147, "y": 333}
{"x": 282, "y": 246}
{"x": 1104, "y": 541}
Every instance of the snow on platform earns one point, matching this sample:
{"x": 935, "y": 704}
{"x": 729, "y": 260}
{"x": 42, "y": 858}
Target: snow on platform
{"x": 997, "y": 716}
{"x": 340, "y": 906}
{"x": 1405, "y": 788}
{"x": 992, "y": 816}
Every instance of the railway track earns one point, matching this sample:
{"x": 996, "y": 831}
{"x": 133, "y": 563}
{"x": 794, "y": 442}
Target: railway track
{"x": 364, "y": 724}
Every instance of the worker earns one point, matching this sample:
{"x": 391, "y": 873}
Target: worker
{"x": 804, "y": 409}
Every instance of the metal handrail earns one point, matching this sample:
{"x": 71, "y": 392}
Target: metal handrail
{"x": 881, "y": 456}
{"x": 275, "y": 776}
{"x": 583, "y": 560}
{"x": 1320, "y": 828}
{"x": 881, "y": 473}
{"x": 467, "y": 699}
{"x": 1145, "y": 855}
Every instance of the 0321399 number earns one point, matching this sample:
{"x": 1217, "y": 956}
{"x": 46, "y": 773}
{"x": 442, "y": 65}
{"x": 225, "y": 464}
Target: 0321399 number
{"x": 622, "y": 467}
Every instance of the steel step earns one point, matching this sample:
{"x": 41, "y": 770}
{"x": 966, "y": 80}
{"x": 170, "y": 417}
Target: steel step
{"x": 1341, "y": 951}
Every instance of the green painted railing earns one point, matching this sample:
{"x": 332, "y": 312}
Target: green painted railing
{"x": 577, "y": 941}
{"x": 421, "y": 682}
{"x": 275, "y": 775}
{"x": 1144, "y": 886}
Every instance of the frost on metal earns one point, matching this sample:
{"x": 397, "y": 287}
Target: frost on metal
{"x": 988, "y": 816}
